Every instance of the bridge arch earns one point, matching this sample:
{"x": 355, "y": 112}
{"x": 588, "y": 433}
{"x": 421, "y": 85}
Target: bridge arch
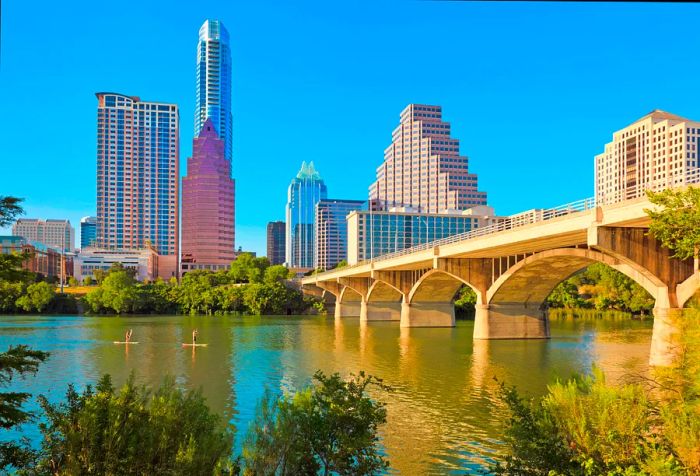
{"x": 348, "y": 294}
{"x": 532, "y": 280}
{"x": 381, "y": 291}
{"x": 439, "y": 286}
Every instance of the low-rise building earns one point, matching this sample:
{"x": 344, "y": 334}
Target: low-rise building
{"x": 144, "y": 261}
{"x": 41, "y": 259}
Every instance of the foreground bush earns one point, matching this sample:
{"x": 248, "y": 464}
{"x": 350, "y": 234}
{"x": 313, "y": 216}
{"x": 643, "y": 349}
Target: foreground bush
{"x": 132, "y": 431}
{"x": 330, "y": 428}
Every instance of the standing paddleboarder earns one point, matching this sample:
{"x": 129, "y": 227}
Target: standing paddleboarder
{"x": 128, "y": 335}
{"x": 195, "y": 333}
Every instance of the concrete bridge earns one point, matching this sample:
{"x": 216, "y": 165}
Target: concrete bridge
{"x": 512, "y": 268}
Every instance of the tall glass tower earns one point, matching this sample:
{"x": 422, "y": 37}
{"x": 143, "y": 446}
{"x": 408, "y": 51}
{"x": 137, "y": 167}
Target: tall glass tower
{"x": 214, "y": 82}
{"x": 305, "y": 191}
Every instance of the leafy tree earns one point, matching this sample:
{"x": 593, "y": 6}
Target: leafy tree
{"x": 9, "y": 294}
{"x": 566, "y": 295}
{"x": 100, "y": 275}
{"x": 676, "y": 224}
{"x": 330, "y": 428}
{"x": 17, "y": 360}
{"x": 9, "y": 209}
{"x": 276, "y": 274}
{"x": 37, "y": 297}
{"x": 87, "y": 281}
{"x": 11, "y": 267}
{"x": 72, "y": 282}
{"x": 133, "y": 431}
{"x": 248, "y": 269}
{"x": 341, "y": 264}
{"x": 117, "y": 293}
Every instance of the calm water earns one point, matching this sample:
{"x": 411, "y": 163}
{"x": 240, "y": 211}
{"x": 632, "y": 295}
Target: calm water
{"x": 442, "y": 416}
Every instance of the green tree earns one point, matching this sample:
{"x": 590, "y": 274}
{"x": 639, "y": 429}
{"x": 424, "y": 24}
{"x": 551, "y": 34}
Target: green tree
{"x": 37, "y": 297}
{"x": 133, "y": 431}
{"x": 87, "y": 281}
{"x": 329, "y": 428}
{"x": 248, "y": 269}
{"x": 676, "y": 221}
{"x": 117, "y": 293}
{"x": 276, "y": 274}
{"x": 72, "y": 282}
{"x": 9, "y": 209}
{"x": 9, "y": 294}
{"x": 19, "y": 360}
{"x": 341, "y": 264}
{"x": 11, "y": 267}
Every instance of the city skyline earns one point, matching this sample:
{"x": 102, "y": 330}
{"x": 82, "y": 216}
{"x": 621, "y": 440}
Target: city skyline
{"x": 540, "y": 120}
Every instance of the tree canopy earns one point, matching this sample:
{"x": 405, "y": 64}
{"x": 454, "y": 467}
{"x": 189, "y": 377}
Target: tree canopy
{"x": 676, "y": 220}
{"x": 9, "y": 209}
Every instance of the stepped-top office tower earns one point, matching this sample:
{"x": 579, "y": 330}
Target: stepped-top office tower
{"x": 214, "y": 82}
{"x": 207, "y": 205}
{"x": 138, "y": 177}
{"x": 57, "y": 234}
{"x": 422, "y": 167}
{"x": 305, "y": 191}
{"x": 659, "y": 150}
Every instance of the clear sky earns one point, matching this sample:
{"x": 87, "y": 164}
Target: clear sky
{"x": 533, "y": 90}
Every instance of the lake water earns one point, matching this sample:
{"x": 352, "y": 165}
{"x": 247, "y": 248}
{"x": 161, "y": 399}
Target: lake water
{"x": 443, "y": 415}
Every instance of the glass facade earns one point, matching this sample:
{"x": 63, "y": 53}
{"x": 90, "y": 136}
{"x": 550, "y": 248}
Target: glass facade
{"x": 88, "y": 232}
{"x": 275, "y": 242}
{"x": 332, "y": 231}
{"x": 305, "y": 191}
{"x": 214, "y": 82}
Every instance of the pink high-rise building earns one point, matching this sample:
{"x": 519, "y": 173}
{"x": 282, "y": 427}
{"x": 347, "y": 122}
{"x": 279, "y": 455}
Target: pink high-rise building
{"x": 422, "y": 167}
{"x": 207, "y": 205}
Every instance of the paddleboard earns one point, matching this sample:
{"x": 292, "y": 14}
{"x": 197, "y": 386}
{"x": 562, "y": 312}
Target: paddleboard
{"x": 194, "y": 345}
{"x": 119, "y": 342}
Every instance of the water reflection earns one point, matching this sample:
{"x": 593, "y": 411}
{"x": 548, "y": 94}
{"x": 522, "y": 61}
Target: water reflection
{"x": 443, "y": 413}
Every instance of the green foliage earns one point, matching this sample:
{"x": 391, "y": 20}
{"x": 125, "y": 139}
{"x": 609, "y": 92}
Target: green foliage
{"x": 341, "y": 264}
{"x": 133, "y": 431}
{"x": 9, "y": 209}
{"x": 276, "y": 274}
{"x": 117, "y": 293}
{"x": 676, "y": 220}
{"x": 587, "y": 427}
{"x": 72, "y": 282}
{"x": 11, "y": 267}
{"x": 18, "y": 360}
{"x": 248, "y": 269}
{"x": 87, "y": 281}
{"x": 10, "y": 293}
{"x": 330, "y": 428}
{"x": 601, "y": 287}
{"x": 37, "y": 297}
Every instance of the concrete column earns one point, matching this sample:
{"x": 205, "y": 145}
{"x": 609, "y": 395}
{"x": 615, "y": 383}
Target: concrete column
{"x": 384, "y": 311}
{"x": 510, "y": 321}
{"x": 666, "y": 345}
{"x": 363, "y": 310}
{"x": 428, "y": 314}
{"x": 348, "y": 309}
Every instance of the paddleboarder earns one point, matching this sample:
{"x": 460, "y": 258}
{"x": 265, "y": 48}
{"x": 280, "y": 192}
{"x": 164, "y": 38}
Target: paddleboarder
{"x": 195, "y": 333}
{"x": 128, "y": 335}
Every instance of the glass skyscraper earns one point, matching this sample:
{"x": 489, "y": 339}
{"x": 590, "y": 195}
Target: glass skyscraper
{"x": 88, "y": 232}
{"x": 214, "y": 82}
{"x": 332, "y": 231}
{"x": 138, "y": 174}
{"x": 305, "y": 191}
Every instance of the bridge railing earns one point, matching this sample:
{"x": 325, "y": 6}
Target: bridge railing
{"x": 502, "y": 224}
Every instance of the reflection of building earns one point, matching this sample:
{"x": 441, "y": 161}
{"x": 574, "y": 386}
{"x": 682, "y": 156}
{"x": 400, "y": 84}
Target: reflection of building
{"x": 214, "y": 82}
{"x": 658, "y": 151}
{"x": 332, "y": 231}
{"x": 275, "y": 242}
{"x": 207, "y": 205}
{"x": 375, "y": 233}
{"x": 41, "y": 259}
{"x": 144, "y": 261}
{"x": 306, "y": 189}
{"x": 88, "y": 232}
{"x": 422, "y": 167}
{"x": 138, "y": 176}
{"x": 58, "y": 234}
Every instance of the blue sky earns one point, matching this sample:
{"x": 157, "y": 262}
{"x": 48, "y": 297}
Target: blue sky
{"x": 533, "y": 90}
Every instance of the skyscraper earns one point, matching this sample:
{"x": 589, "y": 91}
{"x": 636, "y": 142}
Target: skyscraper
{"x": 657, "y": 151}
{"x": 137, "y": 177}
{"x": 422, "y": 167}
{"x": 207, "y": 205}
{"x": 275, "y": 242}
{"x": 88, "y": 232}
{"x": 214, "y": 82}
{"x": 306, "y": 189}
{"x": 332, "y": 231}
{"x": 58, "y": 234}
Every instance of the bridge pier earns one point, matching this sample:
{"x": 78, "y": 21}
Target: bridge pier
{"x": 383, "y": 311}
{"x": 428, "y": 314}
{"x": 348, "y": 309}
{"x": 510, "y": 321}
{"x": 666, "y": 346}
